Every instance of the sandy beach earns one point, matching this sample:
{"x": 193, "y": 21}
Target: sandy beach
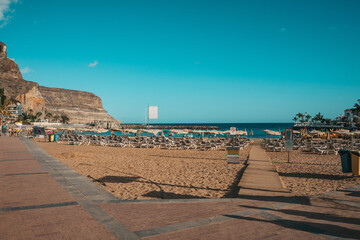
{"x": 311, "y": 174}
{"x": 133, "y": 173}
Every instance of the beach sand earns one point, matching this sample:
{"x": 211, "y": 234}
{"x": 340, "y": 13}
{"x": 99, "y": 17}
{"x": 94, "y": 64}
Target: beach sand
{"x": 311, "y": 174}
{"x": 133, "y": 173}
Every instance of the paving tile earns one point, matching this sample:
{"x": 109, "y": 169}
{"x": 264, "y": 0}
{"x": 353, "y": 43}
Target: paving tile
{"x": 70, "y": 222}
{"x": 242, "y": 228}
{"x": 20, "y": 166}
{"x": 144, "y": 216}
{"x": 24, "y": 190}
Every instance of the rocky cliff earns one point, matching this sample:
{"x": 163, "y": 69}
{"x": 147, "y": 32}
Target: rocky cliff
{"x": 79, "y": 106}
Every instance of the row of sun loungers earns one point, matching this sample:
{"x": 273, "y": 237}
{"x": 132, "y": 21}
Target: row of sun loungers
{"x": 155, "y": 142}
{"x": 319, "y": 147}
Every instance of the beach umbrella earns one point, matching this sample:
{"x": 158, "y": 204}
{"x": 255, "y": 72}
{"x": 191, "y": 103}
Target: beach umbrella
{"x": 272, "y": 133}
{"x": 215, "y": 132}
{"x": 343, "y": 132}
{"x": 178, "y": 131}
{"x": 102, "y": 130}
{"x": 131, "y": 130}
{"x": 241, "y": 133}
{"x": 200, "y": 132}
{"x": 251, "y": 133}
{"x": 152, "y": 131}
{"x": 316, "y": 132}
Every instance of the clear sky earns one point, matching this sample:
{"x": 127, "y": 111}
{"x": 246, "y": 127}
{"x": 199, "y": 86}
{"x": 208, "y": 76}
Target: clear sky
{"x": 199, "y": 61}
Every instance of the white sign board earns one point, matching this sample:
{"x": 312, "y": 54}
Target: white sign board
{"x": 153, "y": 112}
{"x": 232, "y": 130}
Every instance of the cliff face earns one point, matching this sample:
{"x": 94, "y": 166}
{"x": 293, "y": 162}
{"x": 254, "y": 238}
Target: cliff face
{"x": 80, "y": 107}
{"x": 16, "y": 87}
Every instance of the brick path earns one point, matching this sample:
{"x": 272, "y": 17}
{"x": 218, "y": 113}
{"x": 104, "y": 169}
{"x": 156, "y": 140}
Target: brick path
{"x": 41, "y": 198}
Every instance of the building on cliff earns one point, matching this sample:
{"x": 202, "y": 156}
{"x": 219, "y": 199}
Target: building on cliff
{"x": 79, "y": 106}
{"x": 14, "y": 111}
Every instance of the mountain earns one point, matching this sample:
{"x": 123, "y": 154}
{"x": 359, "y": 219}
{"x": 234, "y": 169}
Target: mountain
{"x": 79, "y": 106}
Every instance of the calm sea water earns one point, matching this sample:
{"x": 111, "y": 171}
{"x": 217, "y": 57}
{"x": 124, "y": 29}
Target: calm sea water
{"x": 257, "y": 128}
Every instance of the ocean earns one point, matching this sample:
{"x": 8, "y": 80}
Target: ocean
{"x": 257, "y": 128}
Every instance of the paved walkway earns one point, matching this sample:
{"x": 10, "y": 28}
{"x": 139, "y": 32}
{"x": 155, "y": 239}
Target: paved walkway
{"x": 260, "y": 177}
{"x": 41, "y": 198}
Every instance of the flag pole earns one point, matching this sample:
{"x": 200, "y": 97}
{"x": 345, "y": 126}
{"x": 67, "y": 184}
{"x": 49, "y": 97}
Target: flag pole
{"x": 145, "y": 116}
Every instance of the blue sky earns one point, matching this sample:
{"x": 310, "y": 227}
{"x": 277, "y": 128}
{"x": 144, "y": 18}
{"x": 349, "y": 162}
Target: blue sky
{"x": 199, "y": 61}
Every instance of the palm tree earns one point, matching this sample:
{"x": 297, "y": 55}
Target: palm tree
{"x": 64, "y": 119}
{"x": 300, "y": 116}
{"x": 38, "y": 115}
{"x": 356, "y": 109}
{"x": 318, "y": 117}
{"x": 295, "y": 119}
{"x": 56, "y": 118}
{"x": 307, "y": 118}
{"x": 48, "y": 116}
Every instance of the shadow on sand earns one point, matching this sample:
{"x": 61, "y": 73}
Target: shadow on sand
{"x": 170, "y": 195}
{"x": 314, "y": 175}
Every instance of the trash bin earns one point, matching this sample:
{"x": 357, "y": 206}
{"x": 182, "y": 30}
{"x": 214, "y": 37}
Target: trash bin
{"x": 355, "y": 162}
{"x": 51, "y": 137}
{"x": 233, "y": 155}
{"x": 56, "y": 137}
{"x": 345, "y": 160}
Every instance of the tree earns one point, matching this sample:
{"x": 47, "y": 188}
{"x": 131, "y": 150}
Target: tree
{"x": 318, "y": 118}
{"x": 20, "y": 118}
{"x": 38, "y": 115}
{"x": 295, "y": 119}
{"x": 48, "y": 116}
{"x": 357, "y": 122}
{"x": 4, "y": 105}
{"x": 300, "y": 116}
{"x": 64, "y": 119}
{"x": 307, "y": 118}
{"x": 56, "y": 118}
{"x": 356, "y": 109}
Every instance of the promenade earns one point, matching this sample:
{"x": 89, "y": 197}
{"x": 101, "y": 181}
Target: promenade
{"x": 41, "y": 198}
